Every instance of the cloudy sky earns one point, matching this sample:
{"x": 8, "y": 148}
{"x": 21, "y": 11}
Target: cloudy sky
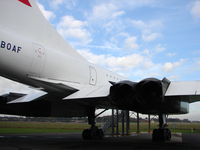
{"x": 135, "y": 38}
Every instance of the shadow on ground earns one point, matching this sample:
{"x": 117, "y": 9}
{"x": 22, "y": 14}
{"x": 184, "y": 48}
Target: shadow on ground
{"x": 75, "y": 142}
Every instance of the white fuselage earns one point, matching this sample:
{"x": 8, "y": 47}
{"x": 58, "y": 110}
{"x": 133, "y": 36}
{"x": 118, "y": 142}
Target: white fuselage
{"x": 31, "y": 47}
{"x": 21, "y": 57}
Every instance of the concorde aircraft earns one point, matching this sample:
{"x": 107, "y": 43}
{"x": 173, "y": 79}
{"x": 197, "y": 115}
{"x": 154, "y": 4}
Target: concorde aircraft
{"x": 33, "y": 53}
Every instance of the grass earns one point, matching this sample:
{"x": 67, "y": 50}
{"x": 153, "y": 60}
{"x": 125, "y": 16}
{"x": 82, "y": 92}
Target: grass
{"x": 41, "y": 127}
{"x": 7, "y": 127}
{"x": 32, "y": 130}
{"x": 174, "y": 127}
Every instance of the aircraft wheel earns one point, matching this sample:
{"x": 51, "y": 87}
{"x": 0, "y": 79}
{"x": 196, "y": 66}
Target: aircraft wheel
{"x": 161, "y": 135}
{"x": 99, "y": 134}
{"x": 86, "y": 134}
{"x": 168, "y": 134}
{"x": 92, "y": 134}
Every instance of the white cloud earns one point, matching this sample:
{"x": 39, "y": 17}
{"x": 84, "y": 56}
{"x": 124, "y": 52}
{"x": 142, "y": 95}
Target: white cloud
{"x": 149, "y": 29}
{"x": 150, "y": 36}
{"x": 66, "y": 4}
{"x": 96, "y": 59}
{"x": 71, "y": 22}
{"x": 170, "y": 66}
{"x": 197, "y": 65}
{"x": 159, "y": 48}
{"x": 56, "y": 3}
{"x": 118, "y": 13}
{"x": 150, "y": 25}
{"x": 112, "y": 26}
{"x": 105, "y": 11}
{"x": 69, "y": 27}
{"x": 132, "y": 4}
{"x": 130, "y": 43}
{"x": 148, "y": 63}
{"x": 125, "y": 62}
{"x": 47, "y": 14}
{"x": 195, "y": 10}
{"x": 146, "y": 51}
{"x": 171, "y": 54}
{"x": 113, "y": 62}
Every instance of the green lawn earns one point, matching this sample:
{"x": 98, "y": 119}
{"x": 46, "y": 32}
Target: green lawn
{"x": 33, "y": 130}
{"x": 52, "y": 127}
{"x": 41, "y": 127}
{"x": 174, "y": 127}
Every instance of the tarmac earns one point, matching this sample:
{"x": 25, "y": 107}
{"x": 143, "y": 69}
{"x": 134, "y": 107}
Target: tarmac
{"x": 68, "y": 141}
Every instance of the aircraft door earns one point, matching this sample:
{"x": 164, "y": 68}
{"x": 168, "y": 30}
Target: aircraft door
{"x": 38, "y": 60}
{"x": 93, "y": 75}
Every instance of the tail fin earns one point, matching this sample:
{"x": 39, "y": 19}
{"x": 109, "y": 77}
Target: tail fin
{"x": 24, "y": 18}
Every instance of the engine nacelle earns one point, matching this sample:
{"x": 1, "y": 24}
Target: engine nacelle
{"x": 122, "y": 93}
{"x": 129, "y": 94}
{"x": 149, "y": 91}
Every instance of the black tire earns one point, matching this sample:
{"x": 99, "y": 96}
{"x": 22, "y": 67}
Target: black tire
{"x": 100, "y": 134}
{"x": 86, "y": 134}
{"x": 161, "y": 135}
{"x": 92, "y": 134}
{"x": 168, "y": 134}
{"x": 155, "y": 135}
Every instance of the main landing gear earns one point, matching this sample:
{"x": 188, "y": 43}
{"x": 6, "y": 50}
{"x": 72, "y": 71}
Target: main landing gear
{"x": 162, "y": 133}
{"x": 93, "y": 133}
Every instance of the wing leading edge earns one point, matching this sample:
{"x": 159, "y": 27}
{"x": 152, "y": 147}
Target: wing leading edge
{"x": 188, "y": 91}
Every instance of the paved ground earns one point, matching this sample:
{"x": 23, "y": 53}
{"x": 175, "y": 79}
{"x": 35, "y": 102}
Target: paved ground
{"x": 74, "y": 141}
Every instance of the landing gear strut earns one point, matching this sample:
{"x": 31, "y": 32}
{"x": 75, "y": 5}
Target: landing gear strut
{"x": 93, "y": 133}
{"x": 162, "y": 133}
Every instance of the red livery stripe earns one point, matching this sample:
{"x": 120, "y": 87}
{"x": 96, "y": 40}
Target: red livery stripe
{"x": 25, "y": 2}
